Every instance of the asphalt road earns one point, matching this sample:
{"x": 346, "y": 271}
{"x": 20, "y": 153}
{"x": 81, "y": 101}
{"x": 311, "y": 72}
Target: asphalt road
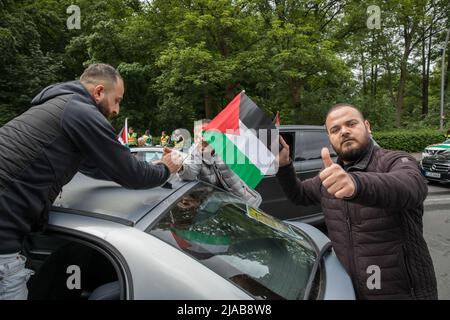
{"x": 436, "y": 228}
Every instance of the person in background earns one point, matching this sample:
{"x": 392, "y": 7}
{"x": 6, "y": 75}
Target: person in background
{"x": 147, "y": 138}
{"x": 132, "y": 137}
{"x": 141, "y": 142}
{"x": 164, "y": 141}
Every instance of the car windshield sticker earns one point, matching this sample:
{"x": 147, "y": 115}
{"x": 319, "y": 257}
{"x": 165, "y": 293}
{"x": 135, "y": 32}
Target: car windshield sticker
{"x": 270, "y": 221}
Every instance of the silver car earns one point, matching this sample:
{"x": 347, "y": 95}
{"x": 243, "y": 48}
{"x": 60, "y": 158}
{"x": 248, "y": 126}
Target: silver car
{"x": 190, "y": 241}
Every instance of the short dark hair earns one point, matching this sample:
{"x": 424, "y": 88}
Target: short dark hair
{"x": 344, "y": 105}
{"x": 100, "y": 72}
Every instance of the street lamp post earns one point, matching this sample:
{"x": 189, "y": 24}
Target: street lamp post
{"x": 442, "y": 81}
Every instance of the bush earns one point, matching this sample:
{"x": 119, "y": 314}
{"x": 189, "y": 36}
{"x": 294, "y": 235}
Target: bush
{"x": 408, "y": 140}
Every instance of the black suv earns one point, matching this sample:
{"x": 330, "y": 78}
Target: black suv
{"x": 306, "y": 143}
{"x": 436, "y": 167}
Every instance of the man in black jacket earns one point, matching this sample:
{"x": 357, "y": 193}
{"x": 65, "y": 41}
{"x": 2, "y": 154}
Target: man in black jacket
{"x": 42, "y": 149}
{"x": 372, "y": 200}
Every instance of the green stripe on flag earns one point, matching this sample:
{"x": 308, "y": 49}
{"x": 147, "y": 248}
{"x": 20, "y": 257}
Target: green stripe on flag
{"x": 234, "y": 158}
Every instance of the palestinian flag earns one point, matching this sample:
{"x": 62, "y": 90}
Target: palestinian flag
{"x": 123, "y": 135}
{"x": 245, "y": 138}
{"x": 276, "y": 120}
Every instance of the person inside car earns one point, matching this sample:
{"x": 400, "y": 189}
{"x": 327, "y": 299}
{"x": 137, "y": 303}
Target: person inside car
{"x": 204, "y": 164}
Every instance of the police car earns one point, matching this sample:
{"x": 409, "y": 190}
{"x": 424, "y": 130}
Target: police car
{"x": 437, "y": 149}
{"x": 435, "y": 164}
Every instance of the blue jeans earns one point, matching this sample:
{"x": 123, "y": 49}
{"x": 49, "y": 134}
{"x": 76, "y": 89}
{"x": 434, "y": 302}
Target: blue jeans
{"x": 13, "y": 277}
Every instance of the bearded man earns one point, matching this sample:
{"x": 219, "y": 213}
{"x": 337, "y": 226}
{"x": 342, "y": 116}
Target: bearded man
{"x": 372, "y": 200}
{"x": 66, "y": 129}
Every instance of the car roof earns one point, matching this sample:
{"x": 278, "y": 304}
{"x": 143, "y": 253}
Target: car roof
{"x": 109, "y": 201}
{"x": 300, "y": 127}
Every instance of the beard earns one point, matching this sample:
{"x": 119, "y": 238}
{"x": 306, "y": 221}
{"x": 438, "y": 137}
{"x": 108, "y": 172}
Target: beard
{"x": 103, "y": 108}
{"x": 354, "y": 154}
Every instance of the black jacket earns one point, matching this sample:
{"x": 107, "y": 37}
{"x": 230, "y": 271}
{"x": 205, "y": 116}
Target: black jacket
{"x": 42, "y": 149}
{"x": 380, "y": 226}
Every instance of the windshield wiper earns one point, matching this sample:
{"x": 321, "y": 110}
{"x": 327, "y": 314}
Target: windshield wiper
{"x": 327, "y": 247}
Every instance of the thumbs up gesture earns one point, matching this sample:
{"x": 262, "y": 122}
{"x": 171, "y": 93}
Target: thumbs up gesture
{"x": 337, "y": 182}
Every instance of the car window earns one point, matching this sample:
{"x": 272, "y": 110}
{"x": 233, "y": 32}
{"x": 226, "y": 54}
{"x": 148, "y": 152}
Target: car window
{"x": 260, "y": 254}
{"x": 289, "y": 139}
{"x": 309, "y": 144}
{"x": 69, "y": 270}
{"x": 148, "y": 156}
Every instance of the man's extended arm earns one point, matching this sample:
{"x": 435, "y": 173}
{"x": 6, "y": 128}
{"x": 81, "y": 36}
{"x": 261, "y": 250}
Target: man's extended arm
{"x": 402, "y": 186}
{"x": 96, "y": 140}
{"x": 299, "y": 192}
{"x": 305, "y": 192}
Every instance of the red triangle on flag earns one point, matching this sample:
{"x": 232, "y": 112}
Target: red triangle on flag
{"x": 227, "y": 121}
{"x": 181, "y": 242}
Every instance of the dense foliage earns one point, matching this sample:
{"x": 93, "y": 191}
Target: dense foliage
{"x": 186, "y": 59}
{"x": 409, "y": 140}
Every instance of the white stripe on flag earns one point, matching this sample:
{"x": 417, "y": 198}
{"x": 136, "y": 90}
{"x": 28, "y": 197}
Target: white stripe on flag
{"x": 249, "y": 144}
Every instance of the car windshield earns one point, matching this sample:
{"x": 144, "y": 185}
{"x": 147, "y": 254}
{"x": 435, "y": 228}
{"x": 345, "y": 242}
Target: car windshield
{"x": 260, "y": 254}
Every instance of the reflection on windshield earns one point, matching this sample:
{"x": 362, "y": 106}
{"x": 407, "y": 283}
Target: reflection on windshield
{"x": 152, "y": 156}
{"x": 148, "y": 156}
{"x": 257, "y": 252}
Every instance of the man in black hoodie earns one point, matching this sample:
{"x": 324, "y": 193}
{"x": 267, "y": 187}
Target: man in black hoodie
{"x": 42, "y": 149}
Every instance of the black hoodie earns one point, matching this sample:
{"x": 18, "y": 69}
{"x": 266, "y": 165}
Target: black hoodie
{"x": 42, "y": 149}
